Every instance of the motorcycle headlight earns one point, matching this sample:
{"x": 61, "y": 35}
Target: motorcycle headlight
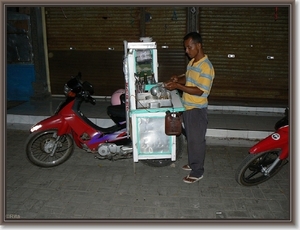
{"x": 35, "y": 128}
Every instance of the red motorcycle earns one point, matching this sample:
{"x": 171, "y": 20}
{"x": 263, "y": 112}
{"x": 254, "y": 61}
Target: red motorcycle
{"x": 267, "y": 157}
{"x": 51, "y": 141}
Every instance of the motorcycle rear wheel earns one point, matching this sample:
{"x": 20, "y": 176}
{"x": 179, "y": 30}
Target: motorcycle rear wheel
{"x": 166, "y": 162}
{"x": 249, "y": 173}
{"x": 39, "y": 146}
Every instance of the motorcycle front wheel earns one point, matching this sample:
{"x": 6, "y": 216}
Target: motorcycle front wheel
{"x": 251, "y": 170}
{"x": 45, "y": 149}
{"x": 166, "y": 162}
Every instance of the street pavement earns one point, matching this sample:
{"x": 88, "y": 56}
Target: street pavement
{"x": 89, "y": 190}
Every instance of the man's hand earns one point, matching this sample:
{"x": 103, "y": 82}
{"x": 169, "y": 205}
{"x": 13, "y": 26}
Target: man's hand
{"x": 170, "y": 85}
{"x": 175, "y": 82}
{"x": 174, "y": 78}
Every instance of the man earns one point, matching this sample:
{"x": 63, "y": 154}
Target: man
{"x": 196, "y": 86}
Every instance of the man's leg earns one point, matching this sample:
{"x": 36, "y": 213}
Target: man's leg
{"x": 195, "y": 122}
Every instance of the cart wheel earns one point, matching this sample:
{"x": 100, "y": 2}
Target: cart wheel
{"x": 166, "y": 162}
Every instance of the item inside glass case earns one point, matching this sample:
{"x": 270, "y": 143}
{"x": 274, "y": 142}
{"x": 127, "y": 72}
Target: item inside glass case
{"x": 152, "y": 138}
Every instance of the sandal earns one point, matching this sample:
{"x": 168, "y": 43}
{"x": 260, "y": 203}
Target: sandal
{"x": 189, "y": 179}
{"x": 186, "y": 167}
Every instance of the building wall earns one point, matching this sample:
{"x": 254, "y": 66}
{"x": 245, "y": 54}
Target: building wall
{"x": 90, "y": 40}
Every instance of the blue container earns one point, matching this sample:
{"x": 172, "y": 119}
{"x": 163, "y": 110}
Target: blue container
{"x": 19, "y": 82}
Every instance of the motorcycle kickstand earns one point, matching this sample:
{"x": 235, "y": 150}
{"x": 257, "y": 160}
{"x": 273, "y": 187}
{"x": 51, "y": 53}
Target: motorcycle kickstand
{"x": 100, "y": 158}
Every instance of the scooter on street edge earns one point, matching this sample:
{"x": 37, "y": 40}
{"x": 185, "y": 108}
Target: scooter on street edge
{"x": 267, "y": 157}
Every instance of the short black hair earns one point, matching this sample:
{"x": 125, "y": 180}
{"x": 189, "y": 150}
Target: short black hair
{"x": 196, "y": 37}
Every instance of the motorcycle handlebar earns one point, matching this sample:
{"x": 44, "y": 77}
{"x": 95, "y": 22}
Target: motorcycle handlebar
{"x": 87, "y": 97}
{"x": 84, "y": 89}
{"x": 92, "y": 100}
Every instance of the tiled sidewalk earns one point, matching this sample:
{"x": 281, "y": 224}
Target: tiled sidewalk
{"x": 87, "y": 189}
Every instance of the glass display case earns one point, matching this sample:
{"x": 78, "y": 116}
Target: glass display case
{"x": 145, "y": 111}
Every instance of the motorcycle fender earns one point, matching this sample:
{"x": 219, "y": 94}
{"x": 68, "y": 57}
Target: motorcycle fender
{"x": 53, "y": 122}
{"x": 277, "y": 140}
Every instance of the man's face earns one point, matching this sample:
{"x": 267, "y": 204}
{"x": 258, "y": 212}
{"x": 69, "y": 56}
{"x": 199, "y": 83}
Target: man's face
{"x": 191, "y": 48}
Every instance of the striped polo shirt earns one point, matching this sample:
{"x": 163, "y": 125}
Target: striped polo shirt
{"x": 201, "y": 75}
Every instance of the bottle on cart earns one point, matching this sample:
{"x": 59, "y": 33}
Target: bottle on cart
{"x": 145, "y": 79}
{"x": 153, "y": 79}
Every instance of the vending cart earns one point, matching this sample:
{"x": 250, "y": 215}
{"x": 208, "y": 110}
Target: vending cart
{"x": 145, "y": 111}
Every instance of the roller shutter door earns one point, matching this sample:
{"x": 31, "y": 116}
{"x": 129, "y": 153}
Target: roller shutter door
{"x": 90, "y": 40}
{"x": 168, "y": 27}
{"x": 258, "y": 39}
